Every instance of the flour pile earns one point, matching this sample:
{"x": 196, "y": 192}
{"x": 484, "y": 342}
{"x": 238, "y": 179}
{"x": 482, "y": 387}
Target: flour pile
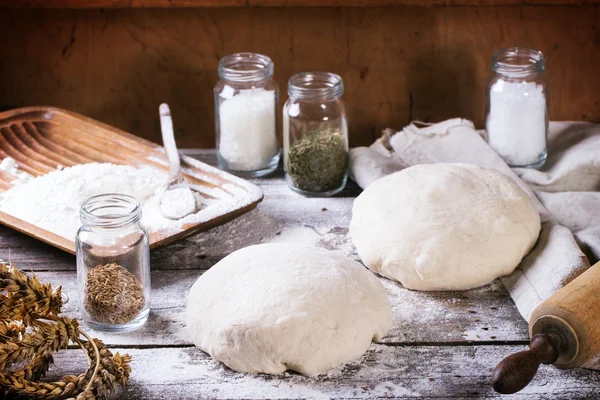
{"x": 53, "y": 201}
{"x": 10, "y": 166}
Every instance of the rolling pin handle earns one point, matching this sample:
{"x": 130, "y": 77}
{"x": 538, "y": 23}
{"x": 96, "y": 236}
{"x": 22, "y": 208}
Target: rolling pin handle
{"x": 517, "y": 370}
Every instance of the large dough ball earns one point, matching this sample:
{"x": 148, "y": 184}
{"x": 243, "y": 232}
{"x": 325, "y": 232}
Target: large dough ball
{"x": 272, "y": 307}
{"x": 444, "y": 226}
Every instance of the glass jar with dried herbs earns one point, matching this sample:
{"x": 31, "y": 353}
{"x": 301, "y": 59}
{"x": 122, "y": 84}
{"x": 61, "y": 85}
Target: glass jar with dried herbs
{"x": 113, "y": 263}
{"x": 315, "y": 134}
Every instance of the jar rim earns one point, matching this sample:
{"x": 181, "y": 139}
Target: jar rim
{"x": 122, "y": 209}
{"x": 316, "y": 84}
{"x": 518, "y": 61}
{"x": 245, "y": 67}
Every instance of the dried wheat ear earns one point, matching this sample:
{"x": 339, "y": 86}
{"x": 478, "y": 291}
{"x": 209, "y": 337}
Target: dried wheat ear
{"x": 31, "y": 329}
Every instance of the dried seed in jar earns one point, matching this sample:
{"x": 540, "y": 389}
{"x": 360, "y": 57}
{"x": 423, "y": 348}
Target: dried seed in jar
{"x": 113, "y": 295}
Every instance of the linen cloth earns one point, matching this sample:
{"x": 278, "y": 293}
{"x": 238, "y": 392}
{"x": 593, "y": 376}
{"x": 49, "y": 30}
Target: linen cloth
{"x": 564, "y": 191}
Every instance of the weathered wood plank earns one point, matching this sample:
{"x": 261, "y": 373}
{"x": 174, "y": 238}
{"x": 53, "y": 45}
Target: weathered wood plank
{"x": 276, "y": 215}
{"x": 486, "y": 314}
{"x": 275, "y": 3}
{"x": 398, "y": 63}
{"x": 281, "y": 211}
{"x": 441, "y": 345}
{"x": 383, "y": 372}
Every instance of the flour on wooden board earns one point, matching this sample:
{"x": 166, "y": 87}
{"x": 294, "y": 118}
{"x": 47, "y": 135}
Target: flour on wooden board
{"x": 335, "y": 239}
{"x": 296, "y": 235}
{"x": 10, "y": 166}
{"x": 251, "y": 228}
{"x": 53, "y": 201}
{"x": 260, "y": 226}
{"x": 288, "y": 385}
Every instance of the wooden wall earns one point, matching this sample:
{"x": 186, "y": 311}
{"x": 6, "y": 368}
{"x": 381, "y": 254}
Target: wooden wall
{"x": 398, "y": 63}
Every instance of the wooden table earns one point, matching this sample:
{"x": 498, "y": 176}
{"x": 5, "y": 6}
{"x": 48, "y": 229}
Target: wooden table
{"x": 441, "y": 345}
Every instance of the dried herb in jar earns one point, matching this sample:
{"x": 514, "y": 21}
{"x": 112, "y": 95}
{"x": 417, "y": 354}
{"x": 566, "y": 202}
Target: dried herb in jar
{"x": 113, "y": 295}
{"x": 318, "y": 162}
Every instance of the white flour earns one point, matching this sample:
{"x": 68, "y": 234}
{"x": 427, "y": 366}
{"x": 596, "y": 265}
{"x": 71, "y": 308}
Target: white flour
{"x": 10, "y": 166}
{"x": 178, "y": 202}
{"x": 53, "y": 201}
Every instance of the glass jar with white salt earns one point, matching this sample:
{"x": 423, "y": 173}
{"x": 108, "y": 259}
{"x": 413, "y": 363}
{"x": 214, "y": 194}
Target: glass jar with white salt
{"x": 246, "y": 101}
{"x": 517, "y": 107}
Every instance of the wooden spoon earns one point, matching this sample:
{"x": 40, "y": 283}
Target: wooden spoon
{"x": 177, "y": 200}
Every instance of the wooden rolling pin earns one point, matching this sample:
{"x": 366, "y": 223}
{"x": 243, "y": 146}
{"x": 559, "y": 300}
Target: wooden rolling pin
{"x": 564, "y": 331}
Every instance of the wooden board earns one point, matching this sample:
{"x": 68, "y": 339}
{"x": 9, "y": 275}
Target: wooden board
{"x": 42, "y": 138}
{"x": 479, "y": 316}
{"x": 398, "y": 63}
{"x": 384, "y": 372}
{"x": 442, "y": 345}
{"x": 274, "y": 3}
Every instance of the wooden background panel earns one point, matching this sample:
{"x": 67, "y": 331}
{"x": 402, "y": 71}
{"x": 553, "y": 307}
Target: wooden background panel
{"x": 398, "y": 63}
{"x": 272, "y": 3}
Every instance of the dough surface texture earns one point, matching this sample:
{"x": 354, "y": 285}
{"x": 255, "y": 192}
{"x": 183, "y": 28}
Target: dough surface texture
{"x": 444, "y": 226}
{"x": 273, "y": 307}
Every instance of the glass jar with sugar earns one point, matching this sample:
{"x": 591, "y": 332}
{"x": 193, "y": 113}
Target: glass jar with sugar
{"x": 246, "y": 101}
{"x": 113, "y": 263}
{"x": 517, "y": 107}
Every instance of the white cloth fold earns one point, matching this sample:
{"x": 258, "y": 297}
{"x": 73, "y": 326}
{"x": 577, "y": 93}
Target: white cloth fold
{"x": 563, "y": 192}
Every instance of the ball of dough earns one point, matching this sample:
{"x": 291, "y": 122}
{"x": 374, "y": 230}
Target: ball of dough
{"x": 444, "y": 226}
{"x": 272, "y": 307}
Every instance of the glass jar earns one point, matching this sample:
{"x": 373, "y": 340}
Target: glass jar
{"x": 517, "y": 107}
{"x": 246, "y": 102}
{"x": 113, "y": 263}
{"x": 315, "y": 134}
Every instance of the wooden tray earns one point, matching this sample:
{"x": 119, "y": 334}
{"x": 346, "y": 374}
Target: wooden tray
{"x": 40, "y": 138}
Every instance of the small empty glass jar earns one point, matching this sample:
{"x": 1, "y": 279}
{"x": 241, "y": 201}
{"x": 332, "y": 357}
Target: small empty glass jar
{"x": 113, "y": 263}
{"x": 315, "y": 134}
{"x": 246, "y": 102}
{"x": 517, "y": 107}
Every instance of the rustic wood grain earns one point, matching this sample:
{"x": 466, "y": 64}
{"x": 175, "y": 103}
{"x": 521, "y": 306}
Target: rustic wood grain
{"x": 441, "y": 345}
{"x": 275, "y": 3}
{"x": 577, "y": 305}
{"x": 21, "y": 131}
{"x": 398, "y": 63}
{"x": 281, "y": 211}
{"x": 484, "y": 315}
{"x": 383, "y": 372}
{"x": 202, "y": 250}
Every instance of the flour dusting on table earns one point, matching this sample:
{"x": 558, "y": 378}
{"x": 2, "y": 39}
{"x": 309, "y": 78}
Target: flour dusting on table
{"x": 53, "y": 201}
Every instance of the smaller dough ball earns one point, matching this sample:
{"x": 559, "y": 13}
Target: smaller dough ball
{"x": 444, "y": 226}
{"x": 272, "y": 307}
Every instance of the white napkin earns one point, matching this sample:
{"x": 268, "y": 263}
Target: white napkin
{"x": 563, "y": 192}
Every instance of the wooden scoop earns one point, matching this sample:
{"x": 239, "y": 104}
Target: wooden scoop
{"x": 564, "y": 330}
{"x": 177, "y": 201}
